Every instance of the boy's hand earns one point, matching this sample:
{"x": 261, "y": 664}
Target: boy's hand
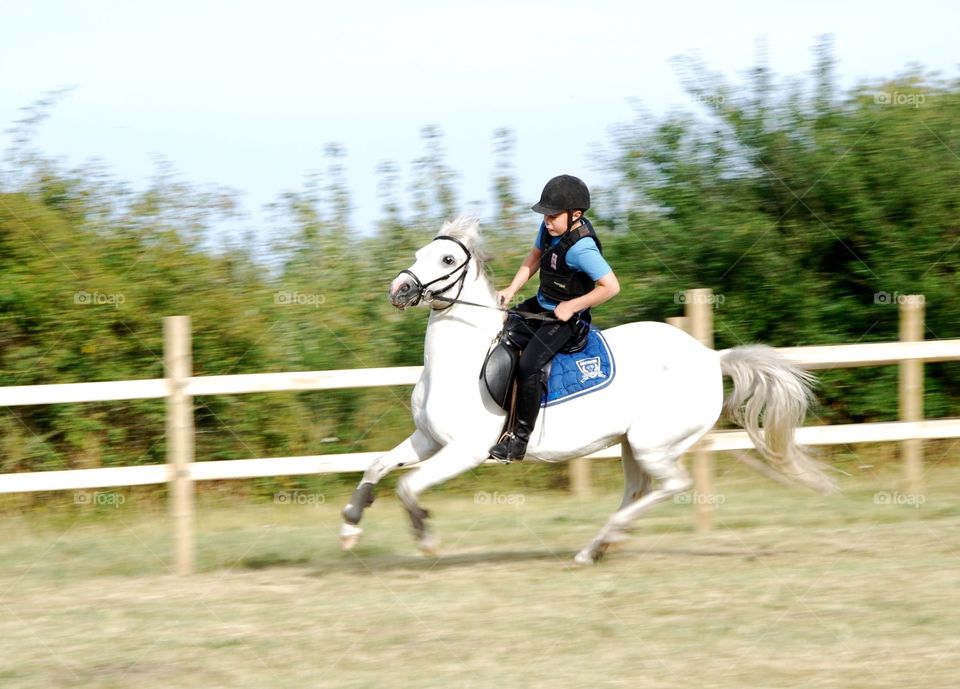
{"x": 564, "y": 311}
{"x": 504, "y": 297}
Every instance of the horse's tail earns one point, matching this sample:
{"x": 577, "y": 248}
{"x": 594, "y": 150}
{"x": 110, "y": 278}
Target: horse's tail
{"x": 767, "y": 385}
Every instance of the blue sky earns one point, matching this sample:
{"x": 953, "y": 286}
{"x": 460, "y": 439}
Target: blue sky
{"x": 247, "y": 94}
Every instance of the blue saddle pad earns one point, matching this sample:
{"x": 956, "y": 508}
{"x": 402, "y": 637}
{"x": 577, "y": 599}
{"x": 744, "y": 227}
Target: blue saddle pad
{"x": 573, "y": 375}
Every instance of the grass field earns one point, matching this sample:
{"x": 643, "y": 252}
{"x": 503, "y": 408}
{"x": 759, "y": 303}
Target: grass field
{"x": 791, "y": 590}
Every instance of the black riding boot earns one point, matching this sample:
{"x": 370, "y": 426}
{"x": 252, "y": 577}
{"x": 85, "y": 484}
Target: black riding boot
{"x": 513, "y": 446}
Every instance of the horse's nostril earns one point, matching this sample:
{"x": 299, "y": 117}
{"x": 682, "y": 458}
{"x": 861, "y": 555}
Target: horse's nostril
{"x": 404, "y": 288}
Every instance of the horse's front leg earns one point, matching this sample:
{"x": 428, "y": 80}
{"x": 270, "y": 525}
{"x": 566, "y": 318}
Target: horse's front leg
{"x": 413, "y": 450}
{"x": 449, "y": 462}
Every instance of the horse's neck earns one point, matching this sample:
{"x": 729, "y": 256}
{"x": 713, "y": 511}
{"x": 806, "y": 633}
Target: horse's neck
{"x": 463, "y": 329}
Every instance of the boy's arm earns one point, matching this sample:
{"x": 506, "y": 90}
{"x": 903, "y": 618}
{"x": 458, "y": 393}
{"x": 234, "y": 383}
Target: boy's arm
{"x": 606, "y": 288}
{"x": 529, "y": 268}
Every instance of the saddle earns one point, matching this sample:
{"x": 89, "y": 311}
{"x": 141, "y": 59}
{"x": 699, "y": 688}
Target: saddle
{"x": 499, "y": 369}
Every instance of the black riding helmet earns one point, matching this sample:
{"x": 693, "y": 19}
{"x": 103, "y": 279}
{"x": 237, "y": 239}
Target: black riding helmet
{"x": 563, "y": 193}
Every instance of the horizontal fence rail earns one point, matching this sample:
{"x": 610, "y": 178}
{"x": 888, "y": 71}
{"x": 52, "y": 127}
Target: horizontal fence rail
{"x": 872, "y": 353}
{"x": 179, "y": 388}
{"x": 65, "y": 393}
{"x": 808, "y": 357}
{"x": 815, "y": 357}
{"x": 225, "y": 469}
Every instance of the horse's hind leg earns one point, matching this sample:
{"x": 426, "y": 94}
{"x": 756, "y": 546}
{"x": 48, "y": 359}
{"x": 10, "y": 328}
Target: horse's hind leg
{"x": 664, "y": 467}
{"x": 636, "y": 482}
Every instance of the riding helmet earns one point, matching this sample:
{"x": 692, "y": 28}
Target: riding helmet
{"x": 564, "y": 192}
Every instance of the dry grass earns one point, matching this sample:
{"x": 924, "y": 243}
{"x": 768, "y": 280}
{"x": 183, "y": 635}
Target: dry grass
{"x": 791, "y": 590}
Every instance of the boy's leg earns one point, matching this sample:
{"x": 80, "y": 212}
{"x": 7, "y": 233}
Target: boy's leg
{"x": 549, "y": 338}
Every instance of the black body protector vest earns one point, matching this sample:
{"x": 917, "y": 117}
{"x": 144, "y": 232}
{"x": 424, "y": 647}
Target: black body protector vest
{"x": 558, "y": 281}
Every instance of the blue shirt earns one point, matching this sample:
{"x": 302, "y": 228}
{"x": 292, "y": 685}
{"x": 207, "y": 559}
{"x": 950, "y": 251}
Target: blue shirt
{"x": 584, "y": 256}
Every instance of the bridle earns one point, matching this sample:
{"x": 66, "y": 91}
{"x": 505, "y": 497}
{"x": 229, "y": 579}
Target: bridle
{"x": 422, "y": 288}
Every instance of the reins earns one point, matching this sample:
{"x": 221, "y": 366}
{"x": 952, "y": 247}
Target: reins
{"x": 523, "y": 314}
{"x": 438, "y": 295}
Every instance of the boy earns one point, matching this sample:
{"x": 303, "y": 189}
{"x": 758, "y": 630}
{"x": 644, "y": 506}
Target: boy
{"x": 574, "y": 276}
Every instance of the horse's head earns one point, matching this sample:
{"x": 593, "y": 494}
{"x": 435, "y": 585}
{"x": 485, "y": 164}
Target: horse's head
{"x": 442, "y": 266}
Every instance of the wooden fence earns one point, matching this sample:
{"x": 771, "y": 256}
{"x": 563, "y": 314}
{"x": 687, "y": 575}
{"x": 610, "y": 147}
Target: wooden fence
{"x": 180, "y": 386}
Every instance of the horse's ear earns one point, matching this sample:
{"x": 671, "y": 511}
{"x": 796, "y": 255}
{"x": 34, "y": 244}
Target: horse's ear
{"x": 471, "y": 227}
{"x": 466, "y": 228}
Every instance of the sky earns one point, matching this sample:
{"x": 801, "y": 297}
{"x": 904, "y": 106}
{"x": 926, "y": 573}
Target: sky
{"x": 248, "y": 94}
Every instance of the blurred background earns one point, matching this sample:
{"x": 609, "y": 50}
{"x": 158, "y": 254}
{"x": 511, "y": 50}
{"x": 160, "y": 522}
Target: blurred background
{"x": 269, "y": 172}
{"x": 268, "y": 168}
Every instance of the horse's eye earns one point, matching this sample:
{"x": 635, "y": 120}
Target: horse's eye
{"x": 448, "y": 260}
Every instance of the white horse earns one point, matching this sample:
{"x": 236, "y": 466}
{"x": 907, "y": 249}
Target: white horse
{"x": 667, "y": 393}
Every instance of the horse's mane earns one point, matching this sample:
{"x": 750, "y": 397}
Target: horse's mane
{"x": 466, "y": 228}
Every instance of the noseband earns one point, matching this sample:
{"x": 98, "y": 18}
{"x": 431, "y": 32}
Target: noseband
{"x": 422, "y": 288}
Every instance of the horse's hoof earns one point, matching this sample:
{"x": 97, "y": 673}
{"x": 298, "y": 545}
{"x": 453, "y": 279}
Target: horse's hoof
{"x": 591, "y": 555}
{"x": 585, "y": 557}
{"x": 429, "y": 545}
{"x": 349, "y": 536}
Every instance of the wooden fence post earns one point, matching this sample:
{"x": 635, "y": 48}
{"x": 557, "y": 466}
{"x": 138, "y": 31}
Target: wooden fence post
{"x": 911, "y": 390}
{"x": 580, "y": 477}
{"x": 178, "y": 364}
{"x": 698, "y": 307}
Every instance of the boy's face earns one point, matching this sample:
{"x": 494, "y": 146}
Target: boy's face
{"x": 557, "y": 224}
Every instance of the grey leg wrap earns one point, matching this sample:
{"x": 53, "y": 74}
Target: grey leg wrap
{"x": 417, "y": 517}
{"x": 362, "y": 498}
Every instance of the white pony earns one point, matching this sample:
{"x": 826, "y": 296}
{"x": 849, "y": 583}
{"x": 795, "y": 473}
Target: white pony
{"x": 667, "y": 393}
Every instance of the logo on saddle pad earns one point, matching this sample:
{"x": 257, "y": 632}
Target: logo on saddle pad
{"x": 590, "y": 368}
